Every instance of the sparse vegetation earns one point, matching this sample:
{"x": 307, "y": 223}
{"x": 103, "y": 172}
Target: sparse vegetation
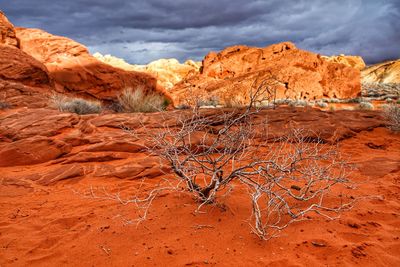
{"x": 136, "y": 100}
{"x": 4, "y": 105}
{"x": 212, "y": 101}
{"x": 380, "y": 91}
{"x": 75, "y": 105}
{"x": 298, "y": 103}
{"x": 392, "y": 114}
{"x": 321, "y": 104}
{"x": 365, "y": 106}
{"x": 355, "y": 100}
{"x": 287, "y": 179}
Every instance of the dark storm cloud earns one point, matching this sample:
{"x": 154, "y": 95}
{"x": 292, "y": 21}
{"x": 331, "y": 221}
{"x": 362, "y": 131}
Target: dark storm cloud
{"x": 141, "y": 31}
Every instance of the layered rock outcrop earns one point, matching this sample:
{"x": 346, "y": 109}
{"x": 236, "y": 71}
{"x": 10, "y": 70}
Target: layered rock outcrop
{"x": 167, "y": 71}
{"x": 170, "y": 72}
{"x": 351, "y": 61}
{"x": 46, "y": 146}
{"x": 118, "y": 62}
{"x": 24, "y": 81}
{"x": 75, "y": 71}
{"x": 296, "y": 73}
{"x": 7, "y": 32}
{"x": 386, "y": 72}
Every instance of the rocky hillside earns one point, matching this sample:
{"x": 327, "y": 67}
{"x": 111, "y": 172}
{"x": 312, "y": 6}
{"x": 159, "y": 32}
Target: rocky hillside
{"x": 34, "y": 64}
{"x": 386, "y": 72}
{"x": 75, "y": 70}
{"x": 24, "y": 81}
{"x": 351, "y": 61}
{"x": 167, "y": 71}
{"x": 230, "y": 75}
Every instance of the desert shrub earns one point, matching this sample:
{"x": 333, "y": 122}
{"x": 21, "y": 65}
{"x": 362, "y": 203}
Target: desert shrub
{"x": 365, "y": 106}
{"x": 286, "y": 182}
{"x": 183, "y": 106}
{"x": 321, "y": 104}
{"x": 334, "y": 100}
{"x": 137, "y": 100}
{"x": 287, "y": 178}
{"x": 211, "y": 101}
{"x": 298, "y": 103}
{"x": 355, "y": 100}
{"x": 75, "y": 105}
{"x": 235, "y": 101}
{"x": 377, "y": 90}
{"x": 392, "y": 114}
{"x": 4, "y": 105}
{"x": 347, "y": 108}
{"x": 281, "y": 101}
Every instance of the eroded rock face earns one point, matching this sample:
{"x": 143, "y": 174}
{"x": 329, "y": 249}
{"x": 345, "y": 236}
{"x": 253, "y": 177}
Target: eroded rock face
{"x": 167, "y": 71}
{"x": 386, "y": 72}
{"x": 46, "y": 146}
{"x": 298, "y": 74}
{"x": 118, "y": 62}
{"x": 75, "y": 70}
{"x": 18, "y": 66}
{"x": 351, "y": 61}
{"x": 24, "y": 81}
{"x": 7, "y": 32}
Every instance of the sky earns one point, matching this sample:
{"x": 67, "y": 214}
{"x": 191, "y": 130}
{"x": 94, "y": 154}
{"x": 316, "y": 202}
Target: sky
{"x": 143, "y": 31}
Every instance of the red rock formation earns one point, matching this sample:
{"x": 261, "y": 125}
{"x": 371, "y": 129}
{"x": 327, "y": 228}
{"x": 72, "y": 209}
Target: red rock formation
{"x": 7, "y": 32}
{"x": 167, "y": 71}
{"x": 386, "y": 72}
{"x": 17, "y": 66}
{"x": 75, "y": 70}
{"x": 300, "y": 75}
{"x": 351, "y": 61}
{"x": 24, "y": 81}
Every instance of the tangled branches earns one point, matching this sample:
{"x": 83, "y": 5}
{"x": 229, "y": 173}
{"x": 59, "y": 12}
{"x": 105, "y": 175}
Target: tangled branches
{"x": 288, "y": 178}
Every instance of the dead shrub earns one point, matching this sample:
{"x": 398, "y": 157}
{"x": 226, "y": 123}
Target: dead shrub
{"x": 288, "y": 179}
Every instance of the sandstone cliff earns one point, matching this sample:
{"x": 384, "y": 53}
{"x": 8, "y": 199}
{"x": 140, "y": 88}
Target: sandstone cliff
{"x": 296, "y": 74}
{"x": 24, "y": 81}
{"x": 167, "y": 71}
{"x": 386, "y": 72}
{"x": 75, "y": 71}
{"x": 351, "y": 61}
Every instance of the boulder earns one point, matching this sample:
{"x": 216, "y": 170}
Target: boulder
{"x": 24, "y": 81}
{"x": 351, "y": 61}
{"x": 293, "y": 73}
{"x": 34, "y": 150}
{"x": 18, "y": 66}
{"x": 7, "y": 32}
{"x": 76, "y": 71}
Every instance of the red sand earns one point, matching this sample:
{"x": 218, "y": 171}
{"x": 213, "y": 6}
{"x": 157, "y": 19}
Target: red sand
{"x": 56, "y": 225}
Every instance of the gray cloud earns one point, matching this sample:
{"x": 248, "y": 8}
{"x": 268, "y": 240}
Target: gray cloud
{"x": 142, "y": 31}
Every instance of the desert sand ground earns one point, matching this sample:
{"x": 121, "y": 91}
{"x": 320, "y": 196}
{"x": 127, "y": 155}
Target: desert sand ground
{"x": 52, "y": 213}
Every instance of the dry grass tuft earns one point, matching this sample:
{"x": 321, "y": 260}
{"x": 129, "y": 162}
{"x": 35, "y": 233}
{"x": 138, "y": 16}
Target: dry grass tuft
{"x": 392, "y": 114}
{"x": 75, "y": 105}
{"x": 365, "y": 106}
{"x": 137, "y": 101}
{"x": 4, "y": 105}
